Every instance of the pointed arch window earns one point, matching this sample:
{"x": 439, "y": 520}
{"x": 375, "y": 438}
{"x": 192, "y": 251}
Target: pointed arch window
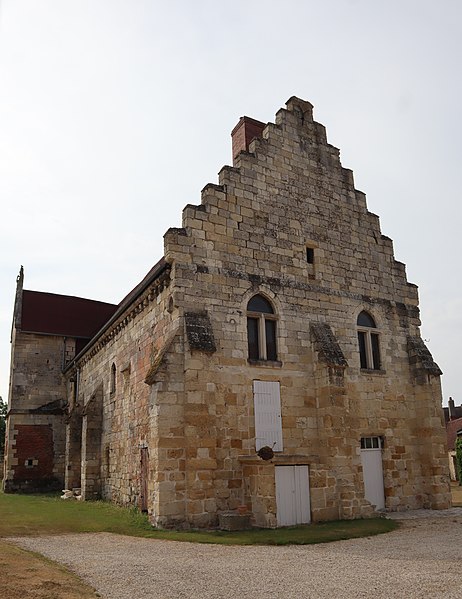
{"x": 261, "y": 329}
{"x": 368, "y": 340}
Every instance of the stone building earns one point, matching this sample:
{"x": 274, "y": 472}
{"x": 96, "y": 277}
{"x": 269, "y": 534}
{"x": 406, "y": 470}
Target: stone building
{"x": 271, "y": 359}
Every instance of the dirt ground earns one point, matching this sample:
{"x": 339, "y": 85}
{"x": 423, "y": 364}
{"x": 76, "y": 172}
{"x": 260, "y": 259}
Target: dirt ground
{"x": 25, "y": 574}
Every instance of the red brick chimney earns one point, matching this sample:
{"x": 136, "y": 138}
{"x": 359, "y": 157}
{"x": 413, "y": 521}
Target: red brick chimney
{"x": 244, "y": 132}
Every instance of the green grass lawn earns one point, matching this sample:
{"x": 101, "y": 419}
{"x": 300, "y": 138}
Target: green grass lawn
{"x": 44, "y": 514}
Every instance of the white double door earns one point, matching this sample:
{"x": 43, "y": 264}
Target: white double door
{"x": 292, "y": 495}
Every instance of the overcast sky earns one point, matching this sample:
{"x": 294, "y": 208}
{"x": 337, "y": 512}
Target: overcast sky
{"x": 115, "y": 113}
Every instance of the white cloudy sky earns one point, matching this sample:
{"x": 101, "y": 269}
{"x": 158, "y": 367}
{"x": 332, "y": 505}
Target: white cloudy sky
{"x": 115, "y": 113}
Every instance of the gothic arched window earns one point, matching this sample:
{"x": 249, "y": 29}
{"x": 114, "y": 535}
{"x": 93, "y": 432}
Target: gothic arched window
{"x": 368, "y": 339}
{"x": 261, "y": 329}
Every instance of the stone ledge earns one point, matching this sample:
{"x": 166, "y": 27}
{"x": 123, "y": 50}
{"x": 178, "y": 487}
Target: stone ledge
{"x": 279, "y": 460}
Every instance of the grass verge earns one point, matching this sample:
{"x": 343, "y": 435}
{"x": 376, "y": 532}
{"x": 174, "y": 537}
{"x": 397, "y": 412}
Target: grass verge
{"x": 42, "y": 514}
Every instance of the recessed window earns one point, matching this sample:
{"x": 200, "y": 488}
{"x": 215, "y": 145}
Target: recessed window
{"x": 261, "y": 329}
{"x": 368, "y": 340}
{"x": 310, "y": 255}
{"x": 113, "y": 378}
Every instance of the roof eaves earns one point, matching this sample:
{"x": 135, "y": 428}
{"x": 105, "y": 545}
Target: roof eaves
{"x": 155, "y": 271}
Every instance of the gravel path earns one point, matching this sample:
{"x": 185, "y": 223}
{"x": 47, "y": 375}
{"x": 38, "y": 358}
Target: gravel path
{"x": 422, "y": 559}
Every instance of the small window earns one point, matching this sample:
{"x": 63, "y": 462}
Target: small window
{"x": 261, "y": 329}
{"x": 113, "y": 378}
{"x": 310, "y": 255}
{"x": 368, "y": 341}
{"x": 371, "y": 443}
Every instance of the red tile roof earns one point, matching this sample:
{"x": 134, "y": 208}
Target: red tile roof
{"x": 451, "y": 431}
{"x": 52, "y": 314}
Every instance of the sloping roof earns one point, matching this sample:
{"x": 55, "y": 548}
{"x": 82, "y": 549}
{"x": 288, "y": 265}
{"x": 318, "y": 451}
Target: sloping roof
{"x": 160, "y": 358}
{"x": 52, "y": 314}
{"x": 129, "y": 299}
{"x": 420, "y": 356}
{"x": 451, "y": 431}
{"x": 138, "y": 290}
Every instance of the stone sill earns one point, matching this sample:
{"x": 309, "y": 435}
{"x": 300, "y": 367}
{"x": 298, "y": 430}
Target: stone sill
{"x": 265, "y": 363}
{"x": 292, "y": 460}
{"x": 372, "y": 371}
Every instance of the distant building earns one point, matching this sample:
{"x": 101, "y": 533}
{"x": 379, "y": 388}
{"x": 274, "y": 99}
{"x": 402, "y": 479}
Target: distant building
{"x": 453, "y": 418}
{"x": 272, "y": 359}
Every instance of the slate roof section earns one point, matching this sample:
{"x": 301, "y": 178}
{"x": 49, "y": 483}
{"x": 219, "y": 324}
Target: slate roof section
{"x": 327, "y": 345}
{"x": 199, "y": 332}
{"x": 420, "y": 356}
{"x": 52, "y": 314}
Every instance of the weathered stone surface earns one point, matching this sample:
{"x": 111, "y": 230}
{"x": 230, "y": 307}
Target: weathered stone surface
{"x": 326, "y": 345}
{"x": 199, "y": 329}
{"x": 233, "y": 521}
{"x": 173, "y": 427}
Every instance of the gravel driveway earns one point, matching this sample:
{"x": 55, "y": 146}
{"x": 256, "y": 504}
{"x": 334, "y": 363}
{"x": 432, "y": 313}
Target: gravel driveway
{"x": 422, "y": 559}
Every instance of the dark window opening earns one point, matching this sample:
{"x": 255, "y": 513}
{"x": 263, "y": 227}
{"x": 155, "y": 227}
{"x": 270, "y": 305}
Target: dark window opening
{"x": 259, "y": 304}
{"x": 113, "y": 378}
{"x": 261, "y": 329}
{"x": 362, "y": 349}
{"x": 252, "y": 336}
{"x": 366, "y": 320}
{"x": 368, "y": 341}
{"x": 270, "y": 334}
{"x": 310, "y": 255}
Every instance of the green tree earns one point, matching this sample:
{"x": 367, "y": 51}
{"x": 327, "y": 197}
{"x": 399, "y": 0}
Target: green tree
{"x": 3, "y": 411}
{"x": 459, "y": 459}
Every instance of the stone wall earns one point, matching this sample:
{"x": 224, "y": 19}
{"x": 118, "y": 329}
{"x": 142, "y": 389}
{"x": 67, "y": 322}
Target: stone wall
{"x": 171, "y": 377}
{"x": 111, "y": 409}
{"x": 248, "y": 236}
{"x": 35, "y": 435}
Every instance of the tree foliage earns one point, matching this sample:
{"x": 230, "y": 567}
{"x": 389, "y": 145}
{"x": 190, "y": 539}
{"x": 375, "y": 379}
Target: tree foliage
{"x": 459, "y": 459}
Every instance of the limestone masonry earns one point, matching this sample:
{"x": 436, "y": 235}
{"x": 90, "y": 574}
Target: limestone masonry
{"x": 270, "y": 363}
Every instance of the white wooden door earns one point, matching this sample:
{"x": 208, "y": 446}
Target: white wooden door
{"x": 292, "y": 495}
{"x": 267, "y": 409}
{"x": 371, "y": 459}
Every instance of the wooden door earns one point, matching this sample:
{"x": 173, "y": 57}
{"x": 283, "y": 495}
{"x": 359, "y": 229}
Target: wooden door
{"x": 371, "y": 459}
{"x": 267, "y": 410}
{"x": 292, "y": 495}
